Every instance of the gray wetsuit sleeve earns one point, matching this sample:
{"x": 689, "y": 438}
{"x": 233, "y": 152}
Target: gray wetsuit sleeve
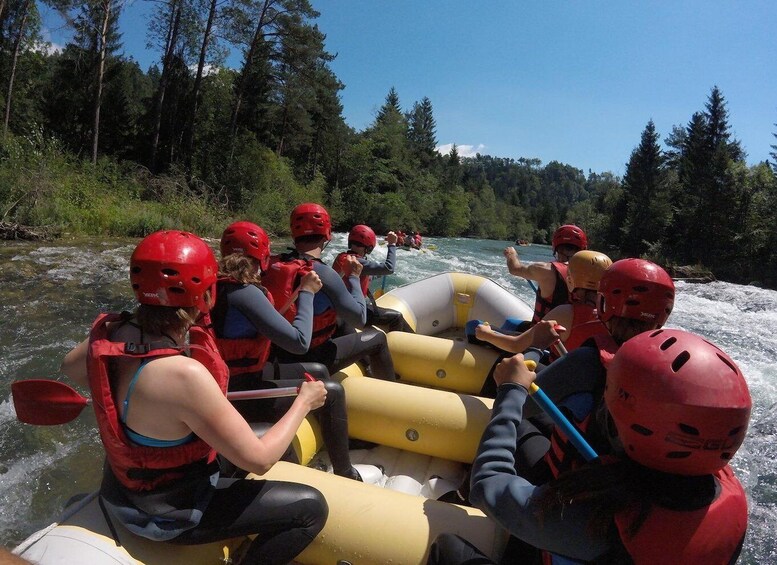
{"x": 507, "y": 498}
{"x": 349, "y": 303}
{"x": 295, "y": 337}
{"x": 375, "y": 269}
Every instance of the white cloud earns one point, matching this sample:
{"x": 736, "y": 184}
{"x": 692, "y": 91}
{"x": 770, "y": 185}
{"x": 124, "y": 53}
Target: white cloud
{"x": 47, "y": 46}
{"x": 207, "y": 70}
{"x": 463, "y": 150}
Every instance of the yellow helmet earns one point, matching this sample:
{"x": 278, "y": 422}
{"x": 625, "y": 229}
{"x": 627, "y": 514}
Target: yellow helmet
{"x": 586, "y": 269}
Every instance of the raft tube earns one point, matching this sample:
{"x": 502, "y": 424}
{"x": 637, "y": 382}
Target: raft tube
{"x": 438, "y": 308}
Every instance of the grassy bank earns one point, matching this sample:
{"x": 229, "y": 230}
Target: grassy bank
{"x": 59, "y": 194}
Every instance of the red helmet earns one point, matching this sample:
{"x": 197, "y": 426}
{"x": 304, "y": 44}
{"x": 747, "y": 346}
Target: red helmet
{"x": 173, "y": 268}
{"x": 310, "y": 219}
{"x": 569, "y": 235}
{"x": 363, "y": 235}
{"x": 636, "y": 289}
{"x": 249, "y": 239}
{"x": 680, "y": 404}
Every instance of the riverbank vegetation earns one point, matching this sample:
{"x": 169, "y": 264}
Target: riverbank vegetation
{"x": 93, "y": 144}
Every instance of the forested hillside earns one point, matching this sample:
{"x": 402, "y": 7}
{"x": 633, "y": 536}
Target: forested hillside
{"x": 91, "y": 143}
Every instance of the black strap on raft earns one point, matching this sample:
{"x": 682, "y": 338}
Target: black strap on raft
{"x": 111, "y": 527}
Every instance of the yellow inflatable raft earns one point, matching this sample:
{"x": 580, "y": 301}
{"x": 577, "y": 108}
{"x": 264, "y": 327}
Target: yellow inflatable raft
{"x": 424, "y": 438}
{"x": 437, "y": 309}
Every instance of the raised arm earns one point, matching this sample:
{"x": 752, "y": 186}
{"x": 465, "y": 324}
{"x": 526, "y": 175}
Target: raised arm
{"x": 374, "y": 268}
{"x": 541, "y": 272}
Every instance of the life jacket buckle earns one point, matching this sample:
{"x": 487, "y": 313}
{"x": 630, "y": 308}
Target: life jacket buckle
{"x": 136, "y": 348}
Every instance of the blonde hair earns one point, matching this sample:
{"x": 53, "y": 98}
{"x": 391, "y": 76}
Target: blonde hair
{"x": 240, "y": 267}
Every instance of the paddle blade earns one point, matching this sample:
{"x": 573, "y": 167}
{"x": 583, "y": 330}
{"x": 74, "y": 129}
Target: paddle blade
{"x": 378, "y": 293}
{"x": 46, "y": 403}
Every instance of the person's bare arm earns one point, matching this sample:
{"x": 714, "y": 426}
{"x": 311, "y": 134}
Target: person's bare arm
{"x": 201, "y": 405}
{"x": 541, "y": 335}
{"x": 563, "y": 316}
{"x": 74, "y": 364}
{"x": 541, "y": 272}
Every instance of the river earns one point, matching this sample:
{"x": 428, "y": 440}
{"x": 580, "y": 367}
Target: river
{"x": 51, "y": 292}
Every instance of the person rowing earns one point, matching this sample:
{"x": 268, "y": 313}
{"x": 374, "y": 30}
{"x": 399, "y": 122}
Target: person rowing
{"x": 675, "y": 411}
{"x": 311, "y": 228}
{"x": 158, "y": 386}
{"x": 361, "y": 242}
{"x": 551, "y": 289}
{"x": 246, "y": 324}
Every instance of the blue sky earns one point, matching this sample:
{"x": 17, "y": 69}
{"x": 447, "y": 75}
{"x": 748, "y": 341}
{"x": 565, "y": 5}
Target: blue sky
{"x": 569, "y": 81}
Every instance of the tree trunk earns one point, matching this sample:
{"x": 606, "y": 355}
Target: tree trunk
{"x": 14, "y": 61}
{"x": 172, "y": 39}
{"x": 103, "y": 50}
{"x": 198, "y": 85}
{"x": 258, "y": 33}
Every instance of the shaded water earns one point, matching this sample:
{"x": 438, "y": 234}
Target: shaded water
{"x": 50, "y": 293}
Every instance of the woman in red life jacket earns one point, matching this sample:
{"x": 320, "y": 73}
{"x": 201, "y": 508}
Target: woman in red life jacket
{"x": 311, "y": 229}
{"x": 675, "y": 411}
{"x": 550, "y": 277}
{"x": 361, "y": 242}
{"x": 163, "y": 415}
{"x": 246, "y": 323}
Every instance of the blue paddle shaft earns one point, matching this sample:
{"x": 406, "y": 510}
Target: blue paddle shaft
{"x": 562, "y": 422}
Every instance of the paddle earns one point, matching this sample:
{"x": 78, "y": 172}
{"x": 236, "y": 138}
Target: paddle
{"x": 559, "y": 419}
{"x": 48, "y": 403}
{"x": 289, "y": 302}
{"x": 382, "y": 290}
{"x": 558, "y": 344}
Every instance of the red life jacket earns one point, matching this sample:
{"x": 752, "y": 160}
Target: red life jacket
{"x": 562, "y": 455}
{"x": 341, "y": 266}
{"x": 560, "y": 295}
{"x": 582, "y": 314}
{"x": 583, "y": 332}
{"x": 242, "y": 355}
{"x": 281, "y": 280}
{"x": 142, "y": 468}
{"x": 711, "y": 534}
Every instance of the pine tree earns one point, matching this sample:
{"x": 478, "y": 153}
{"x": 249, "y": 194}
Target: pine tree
{"x": 773, "y": 155}
{"x": 709, "y": 203}
{"x": 390, "y": 109}
{"x": 646, "y": 193}
{"x": 422, "y": 131}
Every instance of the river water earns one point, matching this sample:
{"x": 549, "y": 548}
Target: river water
{"x": 50, "y": 293}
